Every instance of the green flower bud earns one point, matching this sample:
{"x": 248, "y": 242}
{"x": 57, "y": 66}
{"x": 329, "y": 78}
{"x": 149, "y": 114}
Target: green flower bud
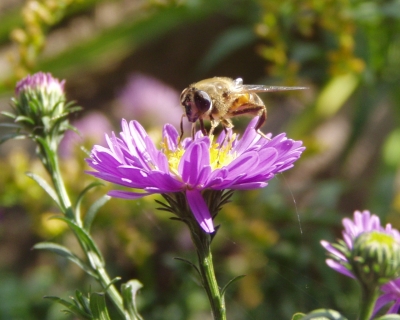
{"x": 41, "y": 108}
{"x": 375, "y": 258}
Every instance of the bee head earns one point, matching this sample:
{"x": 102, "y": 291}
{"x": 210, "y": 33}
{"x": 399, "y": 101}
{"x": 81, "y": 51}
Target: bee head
{"x": 196, "y": 103}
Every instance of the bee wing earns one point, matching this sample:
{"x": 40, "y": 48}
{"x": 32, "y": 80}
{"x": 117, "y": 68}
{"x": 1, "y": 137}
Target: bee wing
{"x": 261, "y": 88}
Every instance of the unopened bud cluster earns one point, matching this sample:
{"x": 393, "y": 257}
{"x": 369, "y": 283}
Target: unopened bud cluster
{"x": 40, "y": 106}
{"x": 375, "y": 257}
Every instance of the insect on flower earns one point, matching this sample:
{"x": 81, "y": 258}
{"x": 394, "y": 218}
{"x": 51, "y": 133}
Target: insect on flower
{"x": 218, "y": 99}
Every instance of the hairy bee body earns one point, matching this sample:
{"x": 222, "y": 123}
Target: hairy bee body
{"x": 218, "y": 99}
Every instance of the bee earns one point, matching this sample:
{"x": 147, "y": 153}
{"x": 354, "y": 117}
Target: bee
{"x": 218, "y": 99}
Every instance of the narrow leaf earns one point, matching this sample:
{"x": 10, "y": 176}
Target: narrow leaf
{"x": 93, "y": 252}
{"x": 112, "y": 282}
{"x": 82, "y": 301}
{"x": 71, "y": 307}
{"x": 94, "y": 208}
{"x": 298, "y": 316}
{"x": 190, "y": 264}
{"x": 8, "y": 114}
{"x": 129, "y": 291}
{"x": 45, "y": 186}
{"x": 98, "y": 307}
{"x": 389, "y": 317}
{"x": 324, "y": 314}
{"x": 82, "y": 194}
{"x": 230, "y": 282}
{"x": 65, "y": 253}
{"x": 10, "y": 125}
{"x": 24, "y": 119}
{"x": 9, "y": 136}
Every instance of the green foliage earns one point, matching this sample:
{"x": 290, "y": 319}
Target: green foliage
{"x": 345, "y": 51}
{"x": 129, "y": 292}
{"x": 323, "y": 314}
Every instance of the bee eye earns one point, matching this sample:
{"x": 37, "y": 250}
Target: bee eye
{"x": 202, "y": 101}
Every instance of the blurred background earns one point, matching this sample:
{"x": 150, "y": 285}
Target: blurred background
{"x": 131, "y": 59}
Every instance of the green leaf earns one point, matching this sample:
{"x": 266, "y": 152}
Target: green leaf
{"x": 94, "y": 208}
{"x": 190, "y": 264}
{"x": 324, "y": 314}
{"x": 71, "y": 307}
{"x": 10, "y": 136}
{"x": 389, "y": 317}
{"x": 93, "y": 252}
{"x": 45, "y": 186}
{"x": 82, "y": 194}
{"x": 24, "y": 119}
{"x": 391, "y": 151}
{"x": 10, "y": 125}
{"x": 230, "y": 282}
{"x": 82, "y": 301}
{"x": 298, "y": 316}
{"x": 335, "y": 94}
{"x": 8, "y": 114}
{"x": 65, "y": 253}
{"x": 129, "y": 291}
{"x": 98, "y": 306}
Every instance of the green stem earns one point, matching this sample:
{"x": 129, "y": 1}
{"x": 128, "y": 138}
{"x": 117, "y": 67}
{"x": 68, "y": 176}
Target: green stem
{"x": 111, "y": 290}
{"x": 368, "y": 299}
{"x": 202, "y": 242}
{"x": 50, "y": 161}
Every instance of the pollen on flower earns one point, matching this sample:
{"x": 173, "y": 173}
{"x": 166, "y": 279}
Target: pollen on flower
{"x": 174, "y": 157}
{"x": 220, "y": 156}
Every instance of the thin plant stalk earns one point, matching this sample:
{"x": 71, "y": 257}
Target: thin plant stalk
{"x": 50, "y": 161}
{"x": 368, "y": 299}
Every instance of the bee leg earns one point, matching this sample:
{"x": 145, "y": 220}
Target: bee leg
{"x": 202, "y": 128}
{"x": 193, "y": 129}
{"x": 181, "y": 127}
{"x": 260, "y": 122}
{"x": 214, "y": 124}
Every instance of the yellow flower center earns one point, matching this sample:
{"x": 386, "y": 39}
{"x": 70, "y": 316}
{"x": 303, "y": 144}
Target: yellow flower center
{"x": 219, "y": 156}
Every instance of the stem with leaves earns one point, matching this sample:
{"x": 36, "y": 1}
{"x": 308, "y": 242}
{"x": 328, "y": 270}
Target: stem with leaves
{"x": 177, "y": 204}
{"x": 47, "y": 151}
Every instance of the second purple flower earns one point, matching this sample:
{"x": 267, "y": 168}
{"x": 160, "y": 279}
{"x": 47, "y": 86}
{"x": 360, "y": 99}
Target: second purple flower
{"x": 191, "y": 166}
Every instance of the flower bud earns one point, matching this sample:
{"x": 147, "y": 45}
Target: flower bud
{"x": 40, "y": 106}
{"x": 375, "y": 257}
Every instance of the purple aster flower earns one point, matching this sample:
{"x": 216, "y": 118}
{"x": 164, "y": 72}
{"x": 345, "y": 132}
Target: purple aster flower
{"x": 391, "y": 293}
{"x": 362, "y": 222}
{"x": 192, "y": 166}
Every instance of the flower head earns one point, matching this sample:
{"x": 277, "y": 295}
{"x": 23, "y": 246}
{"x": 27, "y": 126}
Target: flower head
{"x": 391, "y": 293}
{"x": 363, "y": 222}
{"x": 40, "y": 106}
{"x": 40, "y": 85}
{"x": 191, "y": 166}
{"x": 375, "y": 258}
{"x": 40, "y": 95}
